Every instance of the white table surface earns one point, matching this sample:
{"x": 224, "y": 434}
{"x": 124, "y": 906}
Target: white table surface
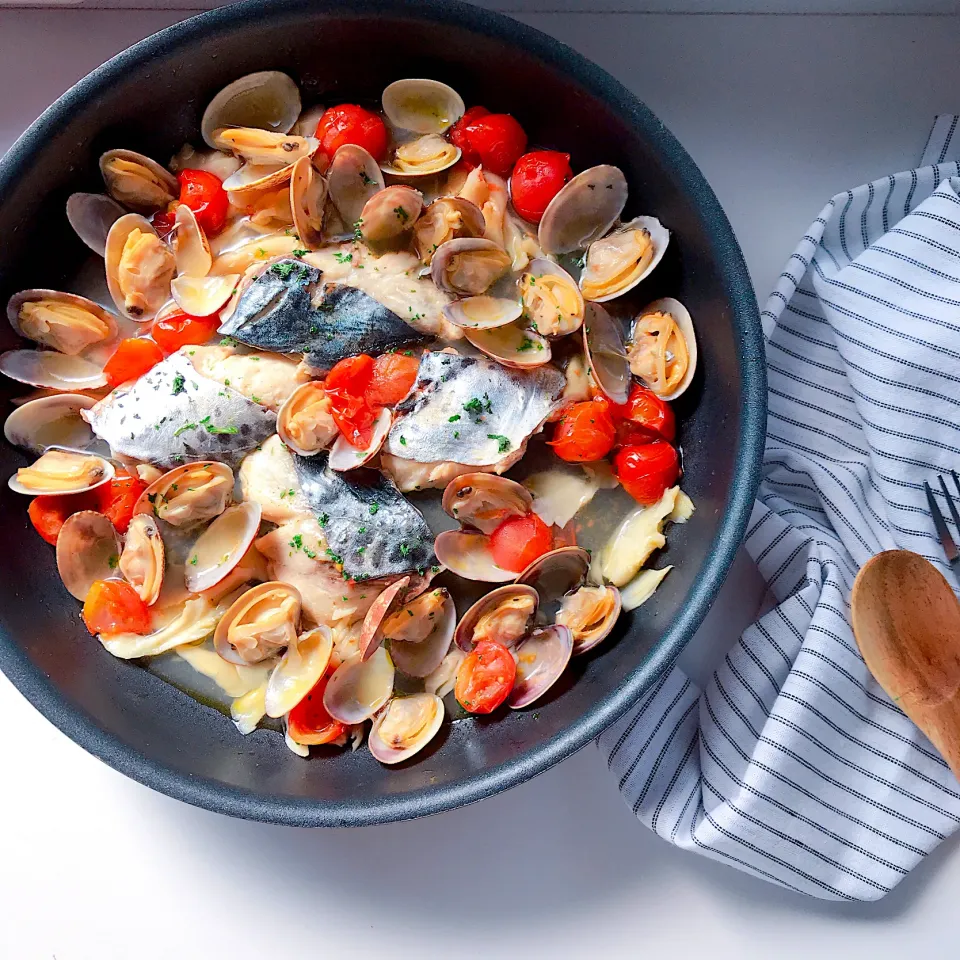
{"x": 780, "y": 112}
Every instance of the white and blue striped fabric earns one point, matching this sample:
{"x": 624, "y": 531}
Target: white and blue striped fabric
{"x": 793, "y": 764}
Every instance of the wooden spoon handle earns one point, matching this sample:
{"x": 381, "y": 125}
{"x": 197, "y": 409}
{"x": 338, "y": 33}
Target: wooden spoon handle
{"x": 941, "y": 724}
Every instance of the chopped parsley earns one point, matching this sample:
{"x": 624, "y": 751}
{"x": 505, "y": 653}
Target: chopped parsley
{"x": 525, "y": 344}
{"x": 178, "y": 381}
{"x": 297, "y": 542}
{"x": 287, "y": 493}
{"x": 456, "y": 434}
{"x": 374, "y": 507}
{"x": 362, "y": 530}
{"x": 335, "y": 557}
{"x": 184, "y": 429}
{"x": 343, "y": 257}
{"x": 282, "y": 270}
{"x": 404, "y": 549}
{"x": 193, "y": 560}
{"x": 323, "y": 519}
{"x": 261, "y": 253}
{"x": 358, "y": 235}
{"x": 454, "y": 418}
{"x": 403, "y": 440}
{"x": 300, "y": 252}
{"x": 365, "y": 180}
{"x": 113, "y": 562}
{"x": 227, "y": 342}
{"x": 503, "y": 443}
{"x": 402, "y": 214}
{"x": 213, "y": 428}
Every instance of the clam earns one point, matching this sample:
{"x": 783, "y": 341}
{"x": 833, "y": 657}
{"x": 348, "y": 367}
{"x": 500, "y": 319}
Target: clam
{"x": 468, "y": 266}
{"x": 298, "y": 671}
{"x": 662, "y": 352}
{"x": 619, "y": 261}
{"x": 137, "y": 182}
{"x": 308, "y": 194}
{"x": 259, "y": 624}
{"x": 605, "y": 353}
{"x": 305, "y": 422}
{"x": 584, "y": 210}
{"x": 358, "y": 688}
{"x": 62, "y": 471}
{"x": 221, "y": 546}
{"x": 505, "y": 615}
{"x": 88, "y": 549}
{"x": 423, "y": 157}
{"x": 92, "y": 215}
{"x": 139, "y": 267}
{"x": 390, "y": 213}
{"x": 552, "y": 301}
{"x": 50, "y": 421}
{"x": 512, "y": 345}
{"x": 589, "y": 614}
{"x": 422, "y": 106}
{"x": 446, "y": 219}
{"x": 307, "y": 122}
{"x": 371, "y": 634}
{"x": 557, "y": 572}
{"x": 254, "y": 186}
{"x": 62, "y": 321}
{"x": 267, "y": 99}
{"x": 142, "y": 559}
{"x": 263, "y": 148}
{"x": 482, "y": 312}
{"x": 468, "y": 555}
{"x": 189, "y": 494}
{"x": 421, "y": 631}
{"x": 203, "y": 296}
{"x": 52, "y": 370}
{"x": 484, "y": 500}
{"x": 541, "y": 659}
{"x": 190, "y": 246}
{"x": 444, "y": 678}
{"x": 353, "y": 178}
{"x": 345, "y": 456}
{"x": 405, "y": 726}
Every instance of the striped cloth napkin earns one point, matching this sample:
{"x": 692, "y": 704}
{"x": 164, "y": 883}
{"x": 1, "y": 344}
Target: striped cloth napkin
{"x": 793, "y": 764}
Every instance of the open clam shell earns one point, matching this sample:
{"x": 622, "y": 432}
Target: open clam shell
{"x": 371, "y": 633}
{"x": 541, "y": 659}
{"x": 203, "y": 296}
{"x": 88, "y": 549}
{"x": 308, "y": 195}
{"x": 65, "y": 322}
{"x": 422, "y": 106}
{"x": 353, "y": 178}
{"x": 485, "y": 500}
{"x": 616, "y": 263}
{"x": 424, "y": 157}
{"x": 221, "y": 546}
{"x": 137, "y": 182}
{"x": 605, "y": 353}
{"x": 405, "y": 726}
{"x": 552, "y": 300}
{"x": 264, "y": 148}
{"x": 139, "y": 267}
{"x": 512, "y": 345}
{"x": 92, "y": 215}
{"x": 389, "y": 213}
{"x": 52, "y": 370}
{"x": 267, "y": 99}
{"x": 50, "y": 421}
{"x": 506, "y": 615}
{"x": 468, "y": 555}
{"x": 260, "y": 623}
{"x": 446, "y": 219}
{"x": 189, "y": 494}
{"x": 142, "y": 561}
{"x": 483, "y": 312}
{"x": 61, "y": 472}
{"x": 585, "y": 208}
{"x": 300, "y": 668}
{"x": 344, "y": 456}
{"x": 358, "y": 688}
{"x": 421, "y": 631}
{"x": 253, "y": 183}
{"x": 468, "y": 266}
{"x": 190, "y": 246}
{"x": 304, "y": 422}
{"x": 589, "y": 613}
{"x": 556, "y": 573}
{"x": 644, "y": 349}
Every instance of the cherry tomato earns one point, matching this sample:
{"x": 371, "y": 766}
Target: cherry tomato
{"x": 48, "y": 514}
{"x": 116, "y": 500}
{"x": 644, "y": 417}
{"x": 163, "y": 220}
{"x": 346, "y": 385}
{"x": 485, "y": 677}
{"x": 203, "y": 193}
{"x": 586, "y": 432}
{"x": 132, "y": 359}
{"x": 348, "y": 123}
{"x": 518, "y": 541}
{"x": 175, "y": 329}
{"x": 113, "y": 606}
{"x": 458, "y": 135}
{"x": 647, "y": 470}
{"x": 393, "y": 376}
{"x": 498, "y": 140}
{"x": 536, "y": 180}
{"x": 309, "y": 723}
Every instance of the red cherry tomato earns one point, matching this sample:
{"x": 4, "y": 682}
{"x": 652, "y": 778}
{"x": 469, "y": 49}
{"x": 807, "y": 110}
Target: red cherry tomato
{"x": 113, "y": 606}
{"x": 203, "y": 193}
{"x": 536, "y": 180}
{"x": 346, "y": 385}
{"x": 116, "y": 500}
{"x": 348, "y": 123}
{"x": 175, "y": 329}
{"x": 586, "y": 432}
{"x": 458, "y": 135}
{"x": 48, "y": 514}
{"x": 518, "y": 541}
{"x": 309, "y": 723}
{"x": 648, "y": 470}
{"x": 163, "y": 220}
{"x": 485, "y": 677}
{"x": 132, "y": 359}
{"x": 498, "y": 140}
{"x": 644, "y": 417}
{"x": 393, "y": 376}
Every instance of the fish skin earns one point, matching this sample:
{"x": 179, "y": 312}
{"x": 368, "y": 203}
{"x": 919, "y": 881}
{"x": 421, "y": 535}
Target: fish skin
{"x": 145, "y": 419}
{"x": 513, "y": 404}
{"x": 295, "y": 314}
{"x": 346, "y": 499}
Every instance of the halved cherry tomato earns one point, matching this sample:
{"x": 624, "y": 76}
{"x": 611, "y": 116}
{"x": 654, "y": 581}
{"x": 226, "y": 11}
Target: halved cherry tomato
{"x": 518, "y": 541}
{"x": 176, "y": 329}
{"x": 393, "y": 376}
{"x": 48, "y": 514}
{"x": 536, "y": 180}
{"x": 203, "y": 193}
{"x": 485, "y": 677}
{"x": 644, "y": 417}
{"x": 346, "y": 385}
{"x": 498, "y": 140}
{"x": 309, "y": 723}
{"x": 586, "y": 432}
{"x": 647, "y": 470}
{"x": 163, "y": 220}
{"x": 113, "y": 606}
{"x": 348, "y": 123}
{"x": 458, "y": 135}
{"x": 132, "y": 359}
{"x": 116, "y": 500}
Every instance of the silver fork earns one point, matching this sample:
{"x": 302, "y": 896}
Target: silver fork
{"x": 943, "y": 531}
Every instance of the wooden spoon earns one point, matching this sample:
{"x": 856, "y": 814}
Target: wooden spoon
{"x": 907, "y": 623}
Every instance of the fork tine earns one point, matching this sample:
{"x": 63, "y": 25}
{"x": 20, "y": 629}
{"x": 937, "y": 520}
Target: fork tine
{"x": 950, "y": 503}
{"x": 943, "y": 531}
{"x": 956, "y": 481}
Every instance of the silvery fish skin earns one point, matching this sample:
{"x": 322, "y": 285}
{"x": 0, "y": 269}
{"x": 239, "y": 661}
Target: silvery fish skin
{"x": 286, "y": 310}
{"x": 173, "y": 415}
{"x": 368, "y": 524}
{"x": 472, "y": 410}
